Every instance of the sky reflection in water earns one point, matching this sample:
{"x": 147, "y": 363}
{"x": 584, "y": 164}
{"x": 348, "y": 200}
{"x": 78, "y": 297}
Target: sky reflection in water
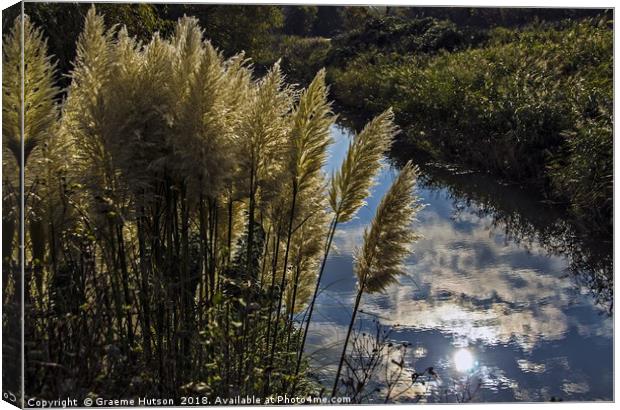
{"x": 479, "y": 307}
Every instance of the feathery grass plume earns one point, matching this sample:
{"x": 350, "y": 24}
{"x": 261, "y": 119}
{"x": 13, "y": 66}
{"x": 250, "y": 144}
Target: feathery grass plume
{"x": 188, "y": 50}
{"x": 262, "y": 141}
{"x": 386, "y": 244}
{"x": 204, "y": 133}
{"x": 82, "y": 120}
{"x": 238, "y": 76}
{"x": 264, "y": 127}
{"x": 93, "y": 52}
{"x": 40, "y": 109}
{"x": 389, "y": 238}
{"x": 11, "y": 91}
{"x": 310, "y": 131}
{"x": 262, "y": 131}
{"x": 310, "y": 137}
{"x": 143, "y": 104}
{"x": 351, "y": 184}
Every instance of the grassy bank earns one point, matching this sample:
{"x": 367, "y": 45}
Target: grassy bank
{"x": 531, "y": 105}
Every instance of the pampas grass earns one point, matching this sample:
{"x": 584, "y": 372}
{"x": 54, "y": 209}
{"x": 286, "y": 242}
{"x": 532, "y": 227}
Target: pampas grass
{"x": 350, "y": 186}
{"x": 310, "y": 133}
{"x": 29, "y": 146}
{"x": 390, "y": 236}
{"x": 386, "y": 243}
{"x": 189, "y": 189}
{"x": 40, "y": 92}
{"x": 310, "y": 137}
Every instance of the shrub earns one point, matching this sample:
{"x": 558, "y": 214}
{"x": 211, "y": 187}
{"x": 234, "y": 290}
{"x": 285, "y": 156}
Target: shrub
{"x": 302, "y": 57}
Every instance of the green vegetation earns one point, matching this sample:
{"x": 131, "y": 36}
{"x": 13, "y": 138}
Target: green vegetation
{"x": 301, "y": 57}
{"x": 394, "y": 36}
{"x": 177, "y": 216}
{"x": 232, "y": 29}
{"x": 177, "y": 220}
{"x": 532, "y": 105}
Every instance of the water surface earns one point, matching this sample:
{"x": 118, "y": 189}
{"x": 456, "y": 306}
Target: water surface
{"x": 502, "y": 298}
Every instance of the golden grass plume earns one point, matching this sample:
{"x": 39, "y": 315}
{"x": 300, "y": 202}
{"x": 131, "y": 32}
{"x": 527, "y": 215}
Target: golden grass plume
{"x": 351, "y": 184}
{"x": 388, "y": 240}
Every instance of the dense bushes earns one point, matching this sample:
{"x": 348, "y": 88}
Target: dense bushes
{"x": 377, "y": 37}
{"x": 401, "y": 36}
{"x": 532, "y": 106}
{"x": 585, "y": 176}
{"x": 301, "y": 57}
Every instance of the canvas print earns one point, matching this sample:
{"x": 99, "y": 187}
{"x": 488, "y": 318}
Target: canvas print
{"x": 226, "y": 204}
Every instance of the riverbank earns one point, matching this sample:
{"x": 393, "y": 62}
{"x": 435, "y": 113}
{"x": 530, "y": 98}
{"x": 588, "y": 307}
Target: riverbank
{"x": 531, "y": 105}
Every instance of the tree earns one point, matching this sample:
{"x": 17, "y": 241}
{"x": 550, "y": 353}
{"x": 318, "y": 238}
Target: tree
{"x": 233, "y": 28}
{"x": 300, "y": 20}
{"x": 62, "y": 23}
{"x": 329, "y": 21}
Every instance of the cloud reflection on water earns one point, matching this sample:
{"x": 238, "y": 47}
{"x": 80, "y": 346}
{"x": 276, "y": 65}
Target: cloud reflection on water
{"x": 471, "y": 284}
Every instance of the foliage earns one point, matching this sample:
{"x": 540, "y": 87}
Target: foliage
{"x": 329, "y": 21}
{"x": 301, "y": 57}
{"x": 233, "y": 28}
{"x": 299, "y": 20}
{"x": 519, "y": 106}
{"x": 489, "y": 17}
{"x": 178, "y": 219}
{"x": 400, "y": 36}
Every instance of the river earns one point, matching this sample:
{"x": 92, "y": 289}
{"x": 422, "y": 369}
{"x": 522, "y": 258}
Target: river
{"x": 502, "y": 298}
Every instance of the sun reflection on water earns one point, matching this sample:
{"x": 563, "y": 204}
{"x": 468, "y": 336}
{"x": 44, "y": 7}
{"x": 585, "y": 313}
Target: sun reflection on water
{"x": 464, "y": 360}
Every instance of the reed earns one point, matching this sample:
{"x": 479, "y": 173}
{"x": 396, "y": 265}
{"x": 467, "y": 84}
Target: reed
{"x": 310, "y": 137}
{"x": 182, "y": 214}
{"x": 349, "y": 187}
{"x": 386, "y": 243}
